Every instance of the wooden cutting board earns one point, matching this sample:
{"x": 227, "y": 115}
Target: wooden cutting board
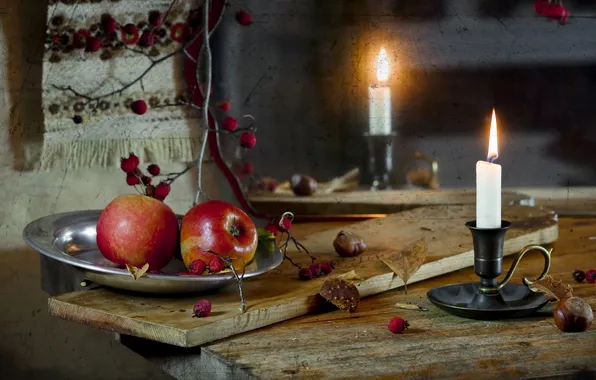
{"x": 279, "y": 295}
{"x": 371, "y": 202}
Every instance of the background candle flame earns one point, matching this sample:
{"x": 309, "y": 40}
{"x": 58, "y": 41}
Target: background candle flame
{"x": 382, "y": 66}
{"x": 493, "y": 145}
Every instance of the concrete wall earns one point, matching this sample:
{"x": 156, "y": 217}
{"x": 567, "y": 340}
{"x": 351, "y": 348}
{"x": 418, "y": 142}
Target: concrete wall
{"x": 297, "y": 70}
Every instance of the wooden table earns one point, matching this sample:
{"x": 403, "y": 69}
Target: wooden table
{"x": 336, "y": 344}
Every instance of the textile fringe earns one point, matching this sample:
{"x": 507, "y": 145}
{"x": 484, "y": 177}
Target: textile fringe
{"x": 107, "y": 153}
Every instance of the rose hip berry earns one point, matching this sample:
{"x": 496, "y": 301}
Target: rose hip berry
{"x": 216, "y": 265}
{"x": 284, "y": 225}
{"x": 139, "y": 107}
{"x": 248, "y": 140}
{"x": 271, "y": 228}
{"x": 304, "y": 274}
{"x": 201, "y": 308}
{"x": 326, "y": 268}
{"x": 132, "y": 179}
{"x": 154, "y": 169}
{"x": 146, "y": 180}
{"x": 197, "y": 267}
{"x": 162, "y": 190}
{"x": 591, "y": 276}
{"x": 77, "y": 119}
{"x": 229, "y": 124}
{"x": 224, "y": 106}
{"x": 315, "y": 269}
{"x": 579, "y": 276}
{"x": 243, "y": 18}
{"x": 398, "y": 325}
{"x": 129, "y": 164}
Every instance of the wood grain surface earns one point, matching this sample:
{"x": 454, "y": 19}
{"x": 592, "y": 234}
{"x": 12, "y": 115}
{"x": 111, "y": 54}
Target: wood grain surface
{"x": 370, "y": 202}
{"x": 438, "y": 345}
{"x": 279, "y": 295}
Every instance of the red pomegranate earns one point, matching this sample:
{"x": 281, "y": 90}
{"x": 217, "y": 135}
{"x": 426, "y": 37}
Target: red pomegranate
{"x": 136, "y": 230}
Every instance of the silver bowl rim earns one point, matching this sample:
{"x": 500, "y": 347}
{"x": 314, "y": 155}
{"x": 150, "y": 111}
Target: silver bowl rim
{"x": 34, "y": 239}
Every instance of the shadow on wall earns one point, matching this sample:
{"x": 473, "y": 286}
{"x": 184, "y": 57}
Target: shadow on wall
{"x": 24, "y": 28}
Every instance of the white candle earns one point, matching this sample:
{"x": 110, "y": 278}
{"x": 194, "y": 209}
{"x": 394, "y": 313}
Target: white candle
{"x": 488, "y": 184}
{"x": 379, "y": 97}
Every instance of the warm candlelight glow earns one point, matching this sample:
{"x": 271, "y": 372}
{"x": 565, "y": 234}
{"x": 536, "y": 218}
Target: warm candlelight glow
{"x": 382, "y": 66}
{"x": 493, "y": 146}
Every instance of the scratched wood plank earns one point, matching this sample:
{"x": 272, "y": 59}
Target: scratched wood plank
{"x": 371, "y": 202}
{"x": 279, "y": 295}
{"x": 437, "y": 345}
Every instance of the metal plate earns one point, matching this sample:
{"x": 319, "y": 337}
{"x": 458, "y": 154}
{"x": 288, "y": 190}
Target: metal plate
{"x": 457, "y": 299}
{"x": 71, "y": 238}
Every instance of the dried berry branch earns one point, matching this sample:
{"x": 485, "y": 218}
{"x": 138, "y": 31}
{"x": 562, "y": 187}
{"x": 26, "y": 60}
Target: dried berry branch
{"x": 229, "y": 264}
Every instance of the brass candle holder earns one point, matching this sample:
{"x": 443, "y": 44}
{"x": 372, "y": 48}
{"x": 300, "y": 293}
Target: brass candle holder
{"x": 488, "y": 298}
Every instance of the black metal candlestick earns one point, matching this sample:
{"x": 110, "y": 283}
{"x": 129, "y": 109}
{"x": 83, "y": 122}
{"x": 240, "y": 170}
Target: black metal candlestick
{"x": 488, "y": 298}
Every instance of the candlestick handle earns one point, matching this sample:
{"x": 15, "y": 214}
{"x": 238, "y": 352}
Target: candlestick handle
{"x": 547, "y": 261}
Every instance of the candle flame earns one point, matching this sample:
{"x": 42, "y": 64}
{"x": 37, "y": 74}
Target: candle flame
{"x": 493, "y": 145}
{"x": 382, "y": 66}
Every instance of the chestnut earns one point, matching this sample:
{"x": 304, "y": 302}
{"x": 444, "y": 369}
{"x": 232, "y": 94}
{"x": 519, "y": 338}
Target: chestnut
{"x": 303, "y": 185}
{"x": 573, "y": 314}
{"x": 348, "y": 244}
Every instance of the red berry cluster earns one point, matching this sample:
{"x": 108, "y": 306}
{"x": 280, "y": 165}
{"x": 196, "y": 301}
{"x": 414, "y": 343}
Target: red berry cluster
{"x": 135, "y": 176}
{"x": 398, "y": 325}
{"x": 316, "y": 270}
{"x": 198, "y": 267}
{"x": 590, "y": 276}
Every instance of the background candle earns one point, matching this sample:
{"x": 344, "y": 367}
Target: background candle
{"x": 379, "y": 95}
{"x": 488, "y": 184}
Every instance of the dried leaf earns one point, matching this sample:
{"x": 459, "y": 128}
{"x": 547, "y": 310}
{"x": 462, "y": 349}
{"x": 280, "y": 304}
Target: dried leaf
{"x": 552, "y": 289}
{"x": 341, "y": 293}
{"x": 350, "y": 276}
{"x": 407, "y": 262}
{"x": 137, "y": 272}
{"x": 409, "y": 306}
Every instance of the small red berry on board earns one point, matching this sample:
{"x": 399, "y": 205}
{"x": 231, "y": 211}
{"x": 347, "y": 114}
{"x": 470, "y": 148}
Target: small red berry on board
{"x": 248, "y": 140}
{"x": 579, "y": 276}
{"x": 305, "y": 274}
{"x": 201, "y": 309}
{"x": 398, "y": 325}
{"x": 326, "y": 268}
{"x": 77, "y": 119}
{"x": 315, "y": 269}
{"x": 591, "y": 276}
{"x": 243, "y": 17}
{"x": 130, "y": 34}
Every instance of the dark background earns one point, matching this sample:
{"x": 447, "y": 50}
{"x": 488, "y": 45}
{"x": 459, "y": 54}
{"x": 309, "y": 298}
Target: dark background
{"x": 303, "y": 68}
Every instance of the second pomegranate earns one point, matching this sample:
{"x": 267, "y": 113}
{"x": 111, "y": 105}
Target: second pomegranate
{"x": 218, "y": 228}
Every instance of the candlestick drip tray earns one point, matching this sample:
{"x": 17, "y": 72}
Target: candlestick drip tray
{"x": 465, "y": 300}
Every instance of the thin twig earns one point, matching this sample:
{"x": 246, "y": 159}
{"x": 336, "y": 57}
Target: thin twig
{"x": 175, "y": 176}
{"x": 299, "y": 245}
{"x": 123, "y": 88}
{"x": 208, "y": 77}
